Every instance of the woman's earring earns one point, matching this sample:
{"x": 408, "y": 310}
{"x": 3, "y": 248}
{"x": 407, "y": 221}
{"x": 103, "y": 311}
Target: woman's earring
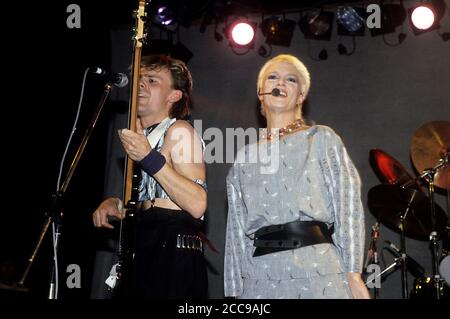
{"x": 299, "y": 115}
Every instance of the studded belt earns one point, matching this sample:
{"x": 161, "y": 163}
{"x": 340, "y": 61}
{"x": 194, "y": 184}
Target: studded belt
{"x": 189, "y": 242}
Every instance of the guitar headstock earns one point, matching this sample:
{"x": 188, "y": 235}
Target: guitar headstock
{"x": 140, "y": 18}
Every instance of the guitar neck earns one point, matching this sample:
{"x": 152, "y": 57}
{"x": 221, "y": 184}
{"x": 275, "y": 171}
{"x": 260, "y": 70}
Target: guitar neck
{"x": 130, "y": 176}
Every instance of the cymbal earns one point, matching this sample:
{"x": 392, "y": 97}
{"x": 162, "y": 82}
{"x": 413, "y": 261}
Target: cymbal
{"x": 389, "y": 202}
{"x": 431, "y": 142}
{"x": 388, "y": 169}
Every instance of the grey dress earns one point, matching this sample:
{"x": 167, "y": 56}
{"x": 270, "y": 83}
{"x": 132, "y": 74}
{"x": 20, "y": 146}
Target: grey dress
{"x": 313, "y": 179}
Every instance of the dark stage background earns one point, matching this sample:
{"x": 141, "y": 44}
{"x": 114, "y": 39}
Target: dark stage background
{"x": 376, "y": 97}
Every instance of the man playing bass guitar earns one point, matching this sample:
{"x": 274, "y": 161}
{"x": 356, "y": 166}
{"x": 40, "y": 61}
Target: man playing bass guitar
{"x": 168, "y": 254}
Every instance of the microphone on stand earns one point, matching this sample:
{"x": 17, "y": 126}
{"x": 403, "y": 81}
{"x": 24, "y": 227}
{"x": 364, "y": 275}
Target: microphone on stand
{"x": 274, "y": 92}
{"x": 414, "y": 267}
{"x": 118, "y": 79}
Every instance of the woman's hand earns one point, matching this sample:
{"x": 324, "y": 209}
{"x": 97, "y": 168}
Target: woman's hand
{"x": 357, "y": 286}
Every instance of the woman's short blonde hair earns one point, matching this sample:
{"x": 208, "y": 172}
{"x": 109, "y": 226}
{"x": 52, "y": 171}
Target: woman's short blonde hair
{"x": 301, "y": 68}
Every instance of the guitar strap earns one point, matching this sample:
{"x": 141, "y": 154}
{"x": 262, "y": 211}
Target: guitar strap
{"x": 156, "y": 134}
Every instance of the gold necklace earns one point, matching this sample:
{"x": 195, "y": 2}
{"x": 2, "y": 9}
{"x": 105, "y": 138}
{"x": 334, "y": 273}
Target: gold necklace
{"x": 290, "y": 128}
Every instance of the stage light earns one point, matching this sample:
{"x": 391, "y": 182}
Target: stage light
{"x": 241, "y": 33}
{"x": 426, "y": 16}
{"x": 278, "y": 31}
{"x": 164, "y": 15}
{"x": 170, "y": 14}
{"x": 316, "y": 24}
{"x": 422, "y": 17}
{"x": 350, "y": 21}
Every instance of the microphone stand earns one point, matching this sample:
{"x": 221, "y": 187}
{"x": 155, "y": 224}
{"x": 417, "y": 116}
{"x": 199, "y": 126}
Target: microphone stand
{"x": 54, "y": 213}
{"x": 402, "y": 259}
{"x": 372, "y": 255}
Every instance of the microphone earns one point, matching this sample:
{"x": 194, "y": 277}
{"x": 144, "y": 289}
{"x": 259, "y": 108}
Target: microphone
{"x": 274, "y": 92}
{"x": 118, "y": 79}
{"x": 414, "y": 267}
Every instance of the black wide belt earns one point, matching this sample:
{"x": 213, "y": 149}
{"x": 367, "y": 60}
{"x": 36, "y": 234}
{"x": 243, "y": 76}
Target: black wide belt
{"x": 291, "y": 235}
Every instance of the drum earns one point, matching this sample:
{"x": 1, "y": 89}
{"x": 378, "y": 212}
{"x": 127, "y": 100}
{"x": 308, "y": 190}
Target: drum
{"x": 424, "y": 288}
{"x": 444, "y": 269}
{"x": 444, "y": 265}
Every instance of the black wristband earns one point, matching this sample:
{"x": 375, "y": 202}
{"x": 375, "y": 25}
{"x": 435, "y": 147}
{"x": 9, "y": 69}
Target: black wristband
{"x": 153, "y": 162}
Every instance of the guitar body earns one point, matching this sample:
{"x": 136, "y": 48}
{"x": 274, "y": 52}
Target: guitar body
{"x": 125, "y": 253}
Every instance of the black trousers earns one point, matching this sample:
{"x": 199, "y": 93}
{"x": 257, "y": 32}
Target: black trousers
{"x": 160, "y": 269}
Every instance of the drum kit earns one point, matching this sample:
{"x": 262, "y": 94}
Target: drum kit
{"x": 401, "y": 204}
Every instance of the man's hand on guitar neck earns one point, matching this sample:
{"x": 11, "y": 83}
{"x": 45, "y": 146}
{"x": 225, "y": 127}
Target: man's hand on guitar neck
{"x": 135, "y": 144}
{"x": 110, "y": 207}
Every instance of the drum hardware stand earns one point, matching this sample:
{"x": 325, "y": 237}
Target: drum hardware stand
{"x": 397, "y": 261}
{"x": 428, "y": 175}
{"x": 54, "y": 213}
{"x": 403, "y": 249}
{"x": 402, "y": 259}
